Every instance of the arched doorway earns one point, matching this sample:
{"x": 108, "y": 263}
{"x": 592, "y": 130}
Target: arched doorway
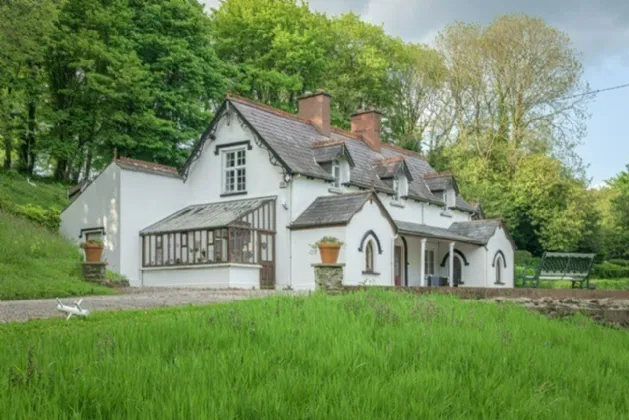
{"x": 458, "y": 271}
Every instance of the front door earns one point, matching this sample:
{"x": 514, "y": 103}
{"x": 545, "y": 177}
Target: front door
{"x": 266, "y": 254}
{"x": 458, "y": 272}
{"x": 398, "y": 265}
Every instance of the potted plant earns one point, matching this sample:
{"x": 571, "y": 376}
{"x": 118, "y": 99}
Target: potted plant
{"x": 93, "y": 250}
{"x": 329, "y": 248}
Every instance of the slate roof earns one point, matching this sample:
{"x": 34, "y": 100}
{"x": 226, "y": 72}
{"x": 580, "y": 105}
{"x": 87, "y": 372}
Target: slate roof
{"x": 291, "y": 139}
{"x": 146, "y": 167}
{"x": 480, "y": 230}
{"x": 437, "y": 184}
{"x": 328, "y": 153}
{"x": 206, "y": 216}
{"x": 434, "y": 232}
{"x": 332, "y": 210}
{"x": 461, "y": 204}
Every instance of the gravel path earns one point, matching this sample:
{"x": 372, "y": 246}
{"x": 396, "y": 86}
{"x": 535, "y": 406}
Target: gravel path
{"x": 23, "y": 310}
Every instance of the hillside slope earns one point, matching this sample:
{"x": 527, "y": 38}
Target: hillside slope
{"x": 36, "y": 262}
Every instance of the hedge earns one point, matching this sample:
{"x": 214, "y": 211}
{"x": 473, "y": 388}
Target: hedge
{"x": 607, "y": 270}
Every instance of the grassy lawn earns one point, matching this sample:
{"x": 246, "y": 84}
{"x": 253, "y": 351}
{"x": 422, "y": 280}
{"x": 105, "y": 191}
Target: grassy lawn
{"x": 36, "y": 263}
{"x": 376, "y": 354}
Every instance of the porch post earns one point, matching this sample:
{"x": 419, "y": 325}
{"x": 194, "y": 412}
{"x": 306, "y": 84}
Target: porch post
{"x": 451, "y": 266}
{"x": 422, "y": 263}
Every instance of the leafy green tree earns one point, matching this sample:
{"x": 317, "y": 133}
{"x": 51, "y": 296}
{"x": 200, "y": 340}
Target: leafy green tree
{"x": 25, "y": 30}
{"x": 618, "y": 221}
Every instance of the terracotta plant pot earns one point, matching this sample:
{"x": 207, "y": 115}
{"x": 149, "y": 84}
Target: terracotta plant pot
{"x": 329, "y": 252}
{"x": 93, "y": 252}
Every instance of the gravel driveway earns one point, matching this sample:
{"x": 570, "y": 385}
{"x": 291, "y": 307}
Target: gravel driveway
{"x": 23, "y": 310}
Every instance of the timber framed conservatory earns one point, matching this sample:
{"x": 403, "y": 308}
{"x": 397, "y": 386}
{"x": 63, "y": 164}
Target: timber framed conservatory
{"x": 231, "y": 232}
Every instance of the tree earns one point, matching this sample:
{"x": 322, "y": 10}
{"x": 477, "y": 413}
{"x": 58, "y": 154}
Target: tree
{"x": 138, "y": 77}
{"x": 418, "y": 81}
{"x": 25, "y": 30}
{"x": 519, "y": 82}
{"x": 618, "y": 217}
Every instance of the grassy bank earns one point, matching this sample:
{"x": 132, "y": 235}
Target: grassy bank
{"x": 366, "y": 355}
{"x": 40, "y": 192}
{"x": 37, "y": 263}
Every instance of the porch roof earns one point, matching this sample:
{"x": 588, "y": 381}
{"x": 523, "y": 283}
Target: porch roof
{"x": 206, "y": 216}
{"x": 426, "y": 231}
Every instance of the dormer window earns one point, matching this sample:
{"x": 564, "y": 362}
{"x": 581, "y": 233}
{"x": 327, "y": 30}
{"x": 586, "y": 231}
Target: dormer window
{"x": 234, "y": 171}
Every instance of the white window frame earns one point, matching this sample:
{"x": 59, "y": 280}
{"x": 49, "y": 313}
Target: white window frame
{"x": 336, "y": 174}
{"x": 397, "y": 185}
{"x": 239, "y": 167}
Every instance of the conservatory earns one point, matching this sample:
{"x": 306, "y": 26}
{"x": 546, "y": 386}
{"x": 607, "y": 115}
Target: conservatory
{"x": 223, "y": 244}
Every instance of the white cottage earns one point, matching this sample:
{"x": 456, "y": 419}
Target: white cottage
{"x": 261, "y": 185}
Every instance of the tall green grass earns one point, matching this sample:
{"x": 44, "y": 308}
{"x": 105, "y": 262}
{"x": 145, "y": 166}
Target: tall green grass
{"x": 46, "y": 193}
{"x": 38, "y": 263}
{"x": 367, "y": 355}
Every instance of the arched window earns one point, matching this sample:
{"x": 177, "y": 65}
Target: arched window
{"x": 369, "y": 257}
{"x": 499, "y": 270}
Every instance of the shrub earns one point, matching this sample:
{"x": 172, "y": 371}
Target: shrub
{"x": 522, "y": 257}
{"x": 49, "y": 218}
{"x": 623, "y": 263}
{"x": 608, "y": 270}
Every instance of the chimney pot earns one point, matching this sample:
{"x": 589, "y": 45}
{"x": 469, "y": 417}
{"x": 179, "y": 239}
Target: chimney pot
{"x": 315, "y": 108}
{"x": 367, "y": 124}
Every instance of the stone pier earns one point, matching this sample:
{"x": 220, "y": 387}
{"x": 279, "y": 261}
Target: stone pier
{"x": 329, "y": 277}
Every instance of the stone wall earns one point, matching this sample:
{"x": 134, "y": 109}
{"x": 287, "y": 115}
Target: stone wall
{"x": 329, "y": 277}
{"x": 94, "y": 271}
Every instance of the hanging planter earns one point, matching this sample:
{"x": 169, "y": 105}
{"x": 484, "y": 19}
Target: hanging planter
{"x": 329, "y": 248}
{"x": 93, "y": 250}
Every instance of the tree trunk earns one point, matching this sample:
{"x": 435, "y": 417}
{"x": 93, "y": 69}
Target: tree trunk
{"x": 88, "y": 164}
{"x": 60, "y": 169}
{"x": 28, "y": 144}
{"x": 8, "y": 149}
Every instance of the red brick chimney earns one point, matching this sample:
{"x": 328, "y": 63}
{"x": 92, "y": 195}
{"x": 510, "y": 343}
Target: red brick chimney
{"x": 316, "y": 109}
{"x": 367, "y": 124}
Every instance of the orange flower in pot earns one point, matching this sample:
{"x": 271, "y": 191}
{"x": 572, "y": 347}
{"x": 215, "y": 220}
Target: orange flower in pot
{"x": 329, "y": 248}
{"x": 93, "y": 250}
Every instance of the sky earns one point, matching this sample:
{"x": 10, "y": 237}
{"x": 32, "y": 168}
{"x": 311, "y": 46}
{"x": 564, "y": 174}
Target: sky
{"x": 598, "y": 29}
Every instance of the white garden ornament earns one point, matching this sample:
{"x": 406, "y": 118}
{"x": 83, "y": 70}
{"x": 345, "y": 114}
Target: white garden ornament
{"x": 72, "y": 310}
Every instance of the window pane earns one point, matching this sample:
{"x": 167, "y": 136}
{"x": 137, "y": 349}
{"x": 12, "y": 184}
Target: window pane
{"x": 241, "y": 180}
{"x": 241, "y": 158}
{"x": 230, "y": 159}
{"x": 229, "y": 181}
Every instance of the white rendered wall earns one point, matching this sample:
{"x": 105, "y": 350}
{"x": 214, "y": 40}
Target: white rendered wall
{"x": 302, "y": 271}
{"x": 205, "y": 185}
{"x": 501, "y": 242}
{"x": 145, "y": 199}
{"x": 98, "y": 206}
{"x": 218, "y": 276}
{"x": 370, "y": 217}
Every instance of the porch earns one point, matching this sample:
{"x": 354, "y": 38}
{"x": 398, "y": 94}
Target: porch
{"x": 427, "y": 256}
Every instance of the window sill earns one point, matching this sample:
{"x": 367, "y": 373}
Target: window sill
{"x": 335, "y": 190}
{"x": 231, "y": 194}
{"x": 398, "y": 203}
{"x": 371, "y": 273}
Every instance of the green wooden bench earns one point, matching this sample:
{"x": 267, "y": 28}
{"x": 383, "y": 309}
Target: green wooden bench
{"x": 562, "y": 266}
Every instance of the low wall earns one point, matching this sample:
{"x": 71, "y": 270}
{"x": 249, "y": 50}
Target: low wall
{"x": 212, "y": 276}
{"x": 486, "y": 293}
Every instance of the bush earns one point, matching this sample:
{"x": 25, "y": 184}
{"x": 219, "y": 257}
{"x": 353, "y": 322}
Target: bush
{"x": 49, "y": 218}
{"x": 607, "y": 270}
{"x": 522, "y": 257}
{"x": 623, "y": 263}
